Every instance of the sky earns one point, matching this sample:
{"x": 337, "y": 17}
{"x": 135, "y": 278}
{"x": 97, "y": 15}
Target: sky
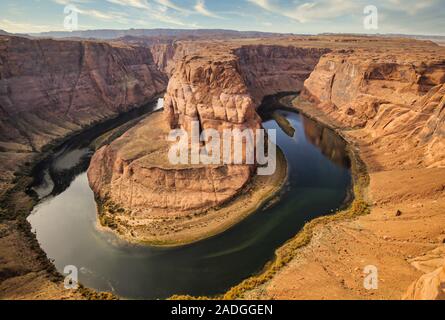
{"x": 285, "y": 16}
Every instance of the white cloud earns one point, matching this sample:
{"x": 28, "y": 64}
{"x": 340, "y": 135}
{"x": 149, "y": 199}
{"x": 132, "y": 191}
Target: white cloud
{"x": 66, "y": 2}
{"x": 141, "y": 4}
{"x": 119, "y": 17}
{"x": 171, "y": 5}
{"x": 265, "y": 4}
{"x": 156, "y": 12}
{"x": 319, "y": 10}
{"x": 311, "y": 11}
{"x": 200, "y": 7}
{"x": 324, "y": 9}
{"x": 410, "y": 7}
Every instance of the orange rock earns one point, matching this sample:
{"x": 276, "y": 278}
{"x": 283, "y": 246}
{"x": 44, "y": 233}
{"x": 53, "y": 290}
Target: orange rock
{"x": 430, "y": 286}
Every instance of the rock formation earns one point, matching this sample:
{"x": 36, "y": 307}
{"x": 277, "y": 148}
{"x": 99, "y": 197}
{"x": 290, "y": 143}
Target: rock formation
{"x": 270, "y": 69}
{"x": 209, "y": 89}
{"x": 386, "y": 94}
{"x": 136, "y": 175}
{"x": 430, "y": 286}
{"x": 352, "y": 85}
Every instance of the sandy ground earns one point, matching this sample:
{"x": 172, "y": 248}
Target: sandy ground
{"x": 403, "y": 237}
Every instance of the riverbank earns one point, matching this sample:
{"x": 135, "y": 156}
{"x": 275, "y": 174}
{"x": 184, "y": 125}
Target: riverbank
{"x": 168, "y": 228}
{"x": 401, "y": 235}
{"x": 357, "y": 205}
{"x": 390, "y": 224}
{"x": 316, "y": 183}
{"x": 26, "y": 272}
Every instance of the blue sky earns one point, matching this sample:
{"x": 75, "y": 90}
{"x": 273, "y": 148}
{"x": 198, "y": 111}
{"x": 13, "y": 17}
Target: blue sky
{"x": 296, "y": 16}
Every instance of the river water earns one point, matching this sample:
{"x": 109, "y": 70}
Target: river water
{"x": 66, "y": 226}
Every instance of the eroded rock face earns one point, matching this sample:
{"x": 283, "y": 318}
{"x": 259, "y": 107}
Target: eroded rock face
{"x": 222, "y": 88}
{"x": 352, "y": 85}
{"x": 136, "y": 175}
{"x": 167, "y": 54}
{"x": 392, "y": 95}
{"x": 209, "y": 89}
{"x": 270, "y": 69}
{"x": 431, "y": 286}
{"x": 433, "y": 133}
{"x": 49, "y": 88}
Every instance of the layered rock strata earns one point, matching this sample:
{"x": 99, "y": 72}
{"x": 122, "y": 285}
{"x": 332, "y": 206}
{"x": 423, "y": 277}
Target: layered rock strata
{"x": 49, "y": 89}
{"x": 392, "y": 94}
{"x": 136, "y": 175}
{"x": 270, "y": 69}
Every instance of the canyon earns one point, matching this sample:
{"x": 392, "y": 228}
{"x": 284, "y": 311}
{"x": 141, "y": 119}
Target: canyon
{"x": 51, "y": 89}
{"x": 384, "y": 96}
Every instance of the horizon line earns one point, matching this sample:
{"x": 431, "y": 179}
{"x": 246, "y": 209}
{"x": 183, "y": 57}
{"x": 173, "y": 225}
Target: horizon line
{"x": 223, "y": 29}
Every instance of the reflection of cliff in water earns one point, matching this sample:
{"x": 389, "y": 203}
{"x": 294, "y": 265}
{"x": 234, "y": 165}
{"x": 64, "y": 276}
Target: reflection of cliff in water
{"x": 330, "y": 144}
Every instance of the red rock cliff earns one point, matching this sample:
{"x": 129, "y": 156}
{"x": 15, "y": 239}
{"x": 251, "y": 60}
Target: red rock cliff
{"x": 269, "y": 69}
{"x": 51, "y": 88}
{"x": 390, "y": 94}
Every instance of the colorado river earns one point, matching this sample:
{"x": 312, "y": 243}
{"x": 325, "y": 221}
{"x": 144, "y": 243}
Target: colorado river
{"x": 66, "y": 225}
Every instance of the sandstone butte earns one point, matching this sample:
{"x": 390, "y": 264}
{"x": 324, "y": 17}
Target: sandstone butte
{"x": 385, "y": 96}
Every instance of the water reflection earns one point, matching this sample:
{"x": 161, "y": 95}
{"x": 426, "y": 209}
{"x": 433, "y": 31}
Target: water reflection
{"x": 66, "y": 227}
{"x": 57, "y": 171}
{"x": 329, "y": 143}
